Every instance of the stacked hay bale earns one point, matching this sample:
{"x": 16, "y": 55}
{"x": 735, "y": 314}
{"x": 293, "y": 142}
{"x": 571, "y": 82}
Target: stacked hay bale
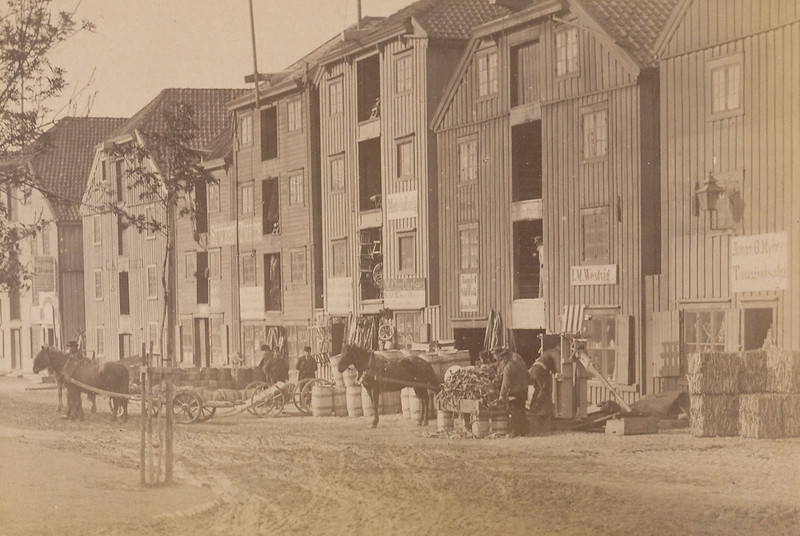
{"x": 754, "y": 394}
{"x": 714, "y": 394}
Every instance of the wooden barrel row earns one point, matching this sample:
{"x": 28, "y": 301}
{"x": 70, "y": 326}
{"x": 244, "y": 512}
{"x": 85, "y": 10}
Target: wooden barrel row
{"x": 351, "y": 401}
{"x": 480, "y": 426}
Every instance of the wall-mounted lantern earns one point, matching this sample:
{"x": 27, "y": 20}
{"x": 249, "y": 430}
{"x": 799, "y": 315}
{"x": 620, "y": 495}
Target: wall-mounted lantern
{"x": 708, "y": 195}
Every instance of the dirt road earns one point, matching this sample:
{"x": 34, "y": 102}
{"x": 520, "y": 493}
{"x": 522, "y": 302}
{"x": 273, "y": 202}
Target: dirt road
{"x": 308, "y": 475}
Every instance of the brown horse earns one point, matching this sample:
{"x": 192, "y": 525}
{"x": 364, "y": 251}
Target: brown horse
{"x": 379, "y": 373}
{"x": 110, "y": 376}
{"x": 56, "y": 368}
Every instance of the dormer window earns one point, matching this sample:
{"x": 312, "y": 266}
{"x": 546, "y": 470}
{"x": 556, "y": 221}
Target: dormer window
{"x": 567, "y": 52}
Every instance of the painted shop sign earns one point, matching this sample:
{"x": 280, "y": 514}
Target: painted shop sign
{"x": 225, "y": 235}
{"x": 404, "y": 293}
{"x": 598, "y": 274}
{"x": 468, "y": 293}
{"x": 251, "y": 303}
{"x": 340, "y": 295}
{"x": 760, "y": 262}
{"x": 402, "y": 205}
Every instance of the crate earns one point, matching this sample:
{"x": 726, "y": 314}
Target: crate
{"x": 632, "y": 426}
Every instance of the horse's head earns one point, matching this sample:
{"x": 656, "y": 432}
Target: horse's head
{"x": 41, "y": 361}
{"x": 352, "y": 355}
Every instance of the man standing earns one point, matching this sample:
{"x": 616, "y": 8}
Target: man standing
{"x": 277, "y": 370}
{"x": 306, "y": 365}
{"x": 541, "y": 375}
{"x": 514, "y": 388}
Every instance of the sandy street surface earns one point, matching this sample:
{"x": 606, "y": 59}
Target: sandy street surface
{"x": 303, "y": 475}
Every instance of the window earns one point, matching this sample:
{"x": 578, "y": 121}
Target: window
{"x": 294, "y": 115}
{"x": 468, "y": 249}
{"x": 98, "y": 284}
{"x": 371, "y": 263}
{"x": 124, "y": 294}
{"x": 525, "y": 73}
{"x": 335, "y": 98}
{"x": 190, "y": 265}
{"x": 296, "y": 189}
{"x": 270, "y": 206}
{"x": 215, "y": 263}
{"x": 704, "y": 331}
{"x": 601, "y": 343}
{"x": 337, "y": 173}
{"x": 45, "y": 241}
{"x": 487, "y": 73}
{"x": 212, "y": 196}
{"x": 526, "y": 259}
{"x": 567, "y": 52}
{"x": 152, "y": 281}
{"x": 201, "y": 282}
{"x": 368, "y": 79}
{"x": 269, "y": 133}
{"x": 246, "y": 198}
{"x": 14, "y": 305}
{"x": 403, "y": 73}
{"x": 594, "y": 235}
{"x": 405, "y": 159}
{"x": 272, "y": 282}
{"x": 97, "y": 236}
{"x": 200, "y": 196}
{"x": 595, "y": 134}
{"x": 407, "y": 328}
{"x": 468, "y": 159}
{"x": 726, "y": 85}
{"x": 407, "y": 252}
{"x": 121, "y": 226}
{"x": 246, "y": 130}
{"x": 298, "y": 265}
{"x": 369, "y": 174}
{"x": 248, "y": 263}
{"x": 526, "y": 161}
{"x": 118, "y": 177}
{"x": 339, "y": 258}
{"x": 149, "y": 219}
{"x": 100, "y": 334}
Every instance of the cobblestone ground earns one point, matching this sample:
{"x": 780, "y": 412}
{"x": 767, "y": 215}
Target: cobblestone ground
{"x": 244, "y": 475}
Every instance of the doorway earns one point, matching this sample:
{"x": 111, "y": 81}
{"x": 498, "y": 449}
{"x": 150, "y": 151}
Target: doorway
{"x": 757, "y": 327}
{"x": 528, "y": 343}
{"x": 16, "y": 348}
{"x": 470, "y": 339}
{"x": 202, "y": 343}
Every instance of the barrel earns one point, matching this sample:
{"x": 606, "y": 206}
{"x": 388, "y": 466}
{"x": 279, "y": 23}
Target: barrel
{"x": 499, "y": 424}
{"x": 390, "y": 403}
{"x": 415, "y": 406}
{"x": 321, "y": 400}
{"x": 340, "y": 401}
{"x": 366, "y": 404}
{"x": 404, "y": 402}
{"x": 353, "y": 395}
{"x": 349, "y": 377}
{"x": 444, "y": 421}
{"x": 480, "y": 427}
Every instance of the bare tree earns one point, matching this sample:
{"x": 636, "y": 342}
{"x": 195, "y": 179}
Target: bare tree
{"x": 29, "y": 30}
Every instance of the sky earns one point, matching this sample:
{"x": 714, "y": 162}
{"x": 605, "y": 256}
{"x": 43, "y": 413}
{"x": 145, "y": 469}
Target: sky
{"x": 140, "y": 47}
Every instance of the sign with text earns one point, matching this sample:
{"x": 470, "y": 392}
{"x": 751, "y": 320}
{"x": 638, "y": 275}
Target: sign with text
{"x": 401, "y": 205}
{"x": 598, "y": 274}
{"x": 45, "y": 274}
{"x": 340, "y": 295}
{"x": 468, "y": 293}
{"x": 251, "y": 303}
{"x": 225, "y": 234}
{"x": 404, "y": 293}
{"x": 760, "y": 262}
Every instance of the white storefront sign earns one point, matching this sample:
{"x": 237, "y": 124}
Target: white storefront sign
{"x": 468, "y": 293}
{"x": 340, "y": 295}
{"x": 404, "y": 293}
{"x": 760, "y": 262}
{"x": 598, "y": 274}
{"x": 251, "y": 303}
{"x": 401, "y": 205}
{"x": 225, "y": 234}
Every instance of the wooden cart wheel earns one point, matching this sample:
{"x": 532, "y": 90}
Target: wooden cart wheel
{"x": 187, "y": 407}
{"x": 256, "y": 386}
{"x": 385, "y": 332}
{"x": 206, "y": 413}
{"x": 267, "y": 402}
{"x": 303, "y": 401}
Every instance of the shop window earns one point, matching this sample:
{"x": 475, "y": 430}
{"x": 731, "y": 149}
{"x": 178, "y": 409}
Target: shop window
{"x": 757, "y": 328}
{"x": 704, "y": 331}
{"x": 371, "y": 264}
{"x": 601, "y": 343}
{"x": 407, "y": 326}
{"x": 368, "y": 75}
{"x": 272, "y": 282}
{"x": 567, "y": 52}
{"x": 270, "y": 206}
{"x": 526, "y": 260}
{"x": 339, "y": 258}
{"x": 594, "y": 235}
{"x": 269, "y": 133}
{"x": 369, "y": 174}
{"x": 526, "y": 161}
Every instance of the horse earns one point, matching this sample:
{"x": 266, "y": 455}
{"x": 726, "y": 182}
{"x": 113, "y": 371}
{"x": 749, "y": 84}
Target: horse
{"x": 378, "y": 373}
{"x": 55, "y": 367}
{"x": 110, "y": 376}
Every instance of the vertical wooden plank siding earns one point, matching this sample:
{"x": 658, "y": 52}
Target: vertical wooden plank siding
{"x": 760, "y": 144}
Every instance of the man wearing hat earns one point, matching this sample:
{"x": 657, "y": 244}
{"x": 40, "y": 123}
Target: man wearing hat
{"x": 306, "y": 365}
{"x": 514, "y": 388}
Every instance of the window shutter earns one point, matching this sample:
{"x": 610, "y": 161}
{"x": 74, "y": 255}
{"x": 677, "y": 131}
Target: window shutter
{"x": 623, "y": 367}
{"x": 732, "y": 324}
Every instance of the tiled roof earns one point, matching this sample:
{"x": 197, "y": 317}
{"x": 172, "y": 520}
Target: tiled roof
{"x": 634, "y": 24}
{"x": 221, "y": 146}
{"x": 210, "y": 113}
{"x": 61, "y": 168}
{"x": 440, "y": 19}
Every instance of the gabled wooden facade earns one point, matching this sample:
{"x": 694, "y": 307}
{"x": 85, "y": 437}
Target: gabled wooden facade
{"x": 560, "y": 141}
{"x": 730, "y": 92}
{"x": 378, "y": 93}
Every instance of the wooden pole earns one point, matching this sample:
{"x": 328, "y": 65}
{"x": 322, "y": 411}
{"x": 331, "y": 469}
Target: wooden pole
{"x": 168, "y": 435}
{"x": 143, "y": 439}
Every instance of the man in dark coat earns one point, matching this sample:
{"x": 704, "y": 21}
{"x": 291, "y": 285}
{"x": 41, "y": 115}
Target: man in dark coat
{"x": 306, "y": 365}
{"x": 277, "y": 369}
{"x": 514, "y": 388}
{"x": 541, "y": 375}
